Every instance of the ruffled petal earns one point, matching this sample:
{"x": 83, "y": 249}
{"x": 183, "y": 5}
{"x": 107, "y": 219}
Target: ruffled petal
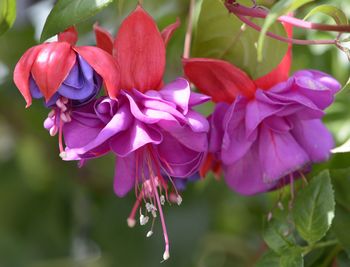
{"x": 140, "y": 51}
{"x": 314, "y": 137}
{"x": 279, "y": 154}
{"x": 134, "y": 137}
{"x": 125, "y": 173}
{"x": 245, "y": 176}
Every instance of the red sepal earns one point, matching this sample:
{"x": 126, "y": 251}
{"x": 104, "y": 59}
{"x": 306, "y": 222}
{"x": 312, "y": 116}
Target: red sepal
{"x": 52, "y": 66}
{"x": 168, "y": 31}
{"x": 281, "y": 72}
{"x": 70, "y": 36}
{"x": 140, "y": 51}
{"x": 21, "y": 73}
{"x": 104, "y": 39}
{"x": 104, "y": 64}
{"x": 218, "y": 79}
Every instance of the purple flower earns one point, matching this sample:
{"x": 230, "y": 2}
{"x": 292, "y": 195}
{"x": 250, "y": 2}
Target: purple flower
{"x": 156, "y": 137}
{"x": 263, "y": 139}
{"x": 81, "y": 85}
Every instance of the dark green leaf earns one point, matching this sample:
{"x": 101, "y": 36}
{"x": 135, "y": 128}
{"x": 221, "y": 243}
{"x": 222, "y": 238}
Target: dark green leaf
{"x": 280, "y": 8}
{"x": 269, "y": 259}
{"x": 313, "y": 211}
{"x": 337, "y": 14}
{"x": 7, "y": 14}
{"x": 67, "y": 13}
{"x": 341, "y": 227}
{"x": 277, "y": 236}
{"x": 343, "y": 260}
{"x": 292, "y": 258}
{"x": 341, "y": 184}
{"x": 221, "y": 35}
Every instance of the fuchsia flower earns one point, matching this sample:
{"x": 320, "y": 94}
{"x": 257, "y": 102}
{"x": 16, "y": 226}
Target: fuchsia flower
{"x": 62, "y": 69}
{"x": 265, "y": 130}
{"x": 152, "y": 129}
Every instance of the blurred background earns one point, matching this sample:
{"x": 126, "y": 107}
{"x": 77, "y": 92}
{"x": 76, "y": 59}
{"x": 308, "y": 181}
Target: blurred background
{"x": 54, "y": 214}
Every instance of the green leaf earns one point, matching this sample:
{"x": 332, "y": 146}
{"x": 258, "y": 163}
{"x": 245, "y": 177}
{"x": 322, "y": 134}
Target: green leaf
{"x": 221, "y": 35}
{"x": 66, "y": 13}
{"x": 341, "y": 227}
{"x": 313, "y": 211}
{"x": 341, "y": 184}
{"x": 269, "y": 259}
{"x": 337, "y": 14}
{"x": 277, "y": 236}
{"x": 7, "y": 14}
{"x": 292, "y": 258}
{"x": 289, "y": 258}
{"x": 280, "y": 8}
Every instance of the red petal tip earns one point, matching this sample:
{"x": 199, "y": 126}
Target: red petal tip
{"x": 168, "y": 31}
{"x": 104, "y": 39}
{"x": 140, "y": 51}
{"x": 70, "y": 35}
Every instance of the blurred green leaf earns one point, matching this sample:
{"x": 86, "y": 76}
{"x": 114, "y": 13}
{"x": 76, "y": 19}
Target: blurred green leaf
{"x": 337, "y": 14}
{"x": 7, "y": 14}
{"x": 277, "y": 236}
{"x": 221, "y": 35}
{"x": 280, "y": 8}
{"x": 343, "y": 260}
{"x": 269, "y": 259}
{"x": 292, "y": 258}
{"x": 341, "y": 184}
{"x": 66, "y": 13}
{"x": 341, "y": 227}
{"x": 313, "y": 211}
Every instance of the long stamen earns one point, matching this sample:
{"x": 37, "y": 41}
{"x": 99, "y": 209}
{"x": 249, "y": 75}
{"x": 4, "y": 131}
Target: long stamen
{"x": 131, "y": 219}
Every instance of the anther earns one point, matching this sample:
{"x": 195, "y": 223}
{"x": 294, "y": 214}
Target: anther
{"x": 149, "y": 233}
{"x": 53, "y": 130}
{"x": 131, "y": 222}
{"x": 63, "y": 154}
{"x": 143, "y": 219}
{"x": 162, "y": 199}
{"x": 178, "y": 200}
{"x": 166, "y": 255}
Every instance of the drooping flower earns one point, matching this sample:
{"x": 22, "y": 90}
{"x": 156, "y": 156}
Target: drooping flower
{"x": 152, "y": 129}
{"x": 65, "y": 75}
{"x": 61, "y": 69}
{"x": 266, "y": 130}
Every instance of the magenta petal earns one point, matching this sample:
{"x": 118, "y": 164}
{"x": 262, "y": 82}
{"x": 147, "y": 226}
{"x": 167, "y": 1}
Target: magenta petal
{"x": 279, "y": 154}
{"x": 125, "y": 173}
{"x": 120, "y": 121}
{"x": 177, "y": 92}
{"x": 314, "y": 137}
{"x": 245, "y": 175}
{"x": 136, "y": 136}
{"x": 217, "y": 129}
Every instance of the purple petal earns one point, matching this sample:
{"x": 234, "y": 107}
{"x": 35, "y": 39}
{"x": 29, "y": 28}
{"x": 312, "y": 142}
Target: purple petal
{"x": 125, "y": 173}
{"x": 315, "y": 138}
{"x": 279, "y": 154}
{"x": 217, "y": 131}
{"x": 135, "y": 136}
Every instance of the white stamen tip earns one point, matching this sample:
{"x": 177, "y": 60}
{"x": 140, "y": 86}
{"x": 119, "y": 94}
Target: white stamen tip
{"x": 131, "y": 222}
{"x": 63, "y": 154}
{"x": 269, "y": 216}
{"x": 178, "y": 200}
{"x": 166, "y": 255}
{"x": 149, "y": 233}
{"x": 162, "y": 199}
{"x": 143, "y": 219}
{"x": 53, "y": 131}
{"x": 51, "y": 113}
{"x": 154, "y": 213}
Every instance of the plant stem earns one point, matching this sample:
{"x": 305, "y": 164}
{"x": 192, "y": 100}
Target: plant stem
{"x": 188, "y": 37}
{"x": 327, "y": 243}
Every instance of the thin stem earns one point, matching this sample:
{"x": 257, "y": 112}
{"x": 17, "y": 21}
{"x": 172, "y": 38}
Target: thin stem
{"x": 331, "y": 256}
{"x": 188, "y": 37}
{"x": 261, "y": 13}
{"x": 285, "y": 39}
{"x": 327, "y": 243}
